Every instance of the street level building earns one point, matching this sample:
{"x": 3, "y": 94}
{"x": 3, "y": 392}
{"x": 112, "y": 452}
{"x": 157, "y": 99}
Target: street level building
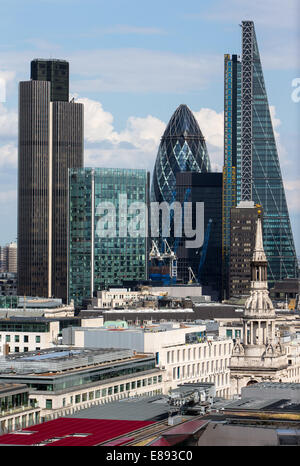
{"x": 182, "y": 351}
{"x": 62, "y": 381}
{"x": 17, "y": 411}
{"x": 260, "y": 356}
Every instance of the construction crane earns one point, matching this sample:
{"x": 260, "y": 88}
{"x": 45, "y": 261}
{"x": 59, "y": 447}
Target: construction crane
{"x": 166, "y": 255}
{"x": 192, "y": 277}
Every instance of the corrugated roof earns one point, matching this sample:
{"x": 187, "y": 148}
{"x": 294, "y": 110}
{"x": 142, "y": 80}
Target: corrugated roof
{"x": 73, "y": 432}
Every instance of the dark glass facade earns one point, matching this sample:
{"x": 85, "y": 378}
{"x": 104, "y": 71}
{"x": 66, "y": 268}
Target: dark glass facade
{"x": 258, "y": 173}
{"x": 54, "y": 71}
{"x": 232, "y": 150}
{"x": 206, "y": 188}
{"x": 182, "y": 148}
{"x": 34, "y": 189}
{"x": 50, "y": 142}
{"x": 97, "y": 262}
{"x": 67, "y": 152}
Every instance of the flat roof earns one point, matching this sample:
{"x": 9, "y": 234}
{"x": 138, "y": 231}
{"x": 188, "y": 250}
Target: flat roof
{"x": 67, "y": 359}
{"x": 143, "y": 408}
{"x": 73, "y": 432}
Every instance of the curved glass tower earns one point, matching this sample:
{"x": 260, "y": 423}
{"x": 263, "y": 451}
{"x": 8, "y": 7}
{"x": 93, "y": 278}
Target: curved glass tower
{"x": 182, "y": 148}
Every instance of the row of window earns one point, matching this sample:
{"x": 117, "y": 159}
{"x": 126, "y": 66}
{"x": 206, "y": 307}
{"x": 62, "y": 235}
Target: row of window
{"x": 113, "y": 390}
{"x": 198, "y": 353}
{"x": 219, "y": 379}
{"x": 16, "y": 339}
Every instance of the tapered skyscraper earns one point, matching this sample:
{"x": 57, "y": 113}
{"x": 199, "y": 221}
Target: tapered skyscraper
{"x": 182, "y": 149}
{"x": 50, "y": 142}
{"x": 258, "y": 174}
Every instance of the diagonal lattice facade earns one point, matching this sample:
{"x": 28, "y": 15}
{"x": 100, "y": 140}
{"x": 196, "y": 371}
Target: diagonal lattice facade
{"x": 259, "y": 172}
{"x": 182, "y": 148}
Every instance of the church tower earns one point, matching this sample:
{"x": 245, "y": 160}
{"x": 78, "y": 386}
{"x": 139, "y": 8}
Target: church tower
{"x": 259, "y": 356}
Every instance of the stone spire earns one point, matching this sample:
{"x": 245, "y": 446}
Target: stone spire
{"x": 259, "y": 253}
{"x": 259, "y": 302}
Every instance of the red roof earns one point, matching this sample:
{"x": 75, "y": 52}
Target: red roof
{"x": 73, "y": 432}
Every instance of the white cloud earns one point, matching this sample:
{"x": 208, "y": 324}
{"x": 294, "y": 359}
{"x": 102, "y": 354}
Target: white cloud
{"x": 137, "y": 144}
{"x": 8, "y": 123}
{"x": 8, "y": 196}
{"x": 140, "y": 70}
{"x": 9, "y": 155}
{"x": 292, "y": 191}
{"x": 212, "y": 127}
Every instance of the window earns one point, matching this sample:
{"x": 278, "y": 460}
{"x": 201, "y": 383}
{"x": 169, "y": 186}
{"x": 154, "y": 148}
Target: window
{"x": 84, "y": 396}
{"x": 116, "y": 389}
{"x": 7, "y": 338}
{"x": 17, "y": 349}
{"x": 91, "y": 395}
{"x": 104, "y": 392}
{"x": 17, "y": 338}
{"x": 38, "y": 339}
{"x": 128, "y": 386}
{"x": 133, "y": 385}
{"x": 49, "y": 404}
{"x": 25, "y": 338}
{"x": 25, "y": 349}
{"x": 77, "y": 398}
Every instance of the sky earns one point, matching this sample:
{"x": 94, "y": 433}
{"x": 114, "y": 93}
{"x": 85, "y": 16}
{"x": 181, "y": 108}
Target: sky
{"x": 133, "y": 62}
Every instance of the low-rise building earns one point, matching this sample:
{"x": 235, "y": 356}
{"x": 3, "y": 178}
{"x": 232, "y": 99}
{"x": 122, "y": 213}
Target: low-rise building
{"x": 20, "y": 334}
{"x": 62, "y": 381}
{"x": 16, "y": 409}
{"x": 183, "y": 351}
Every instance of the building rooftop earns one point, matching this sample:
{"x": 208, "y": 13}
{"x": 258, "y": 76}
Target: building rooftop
{"x": 73, "y": 432}
{"x": 60, "y": 359}
{"x": 142, "y": 408}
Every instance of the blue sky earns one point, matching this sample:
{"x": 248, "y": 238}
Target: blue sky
{"x": 133, "y": 62}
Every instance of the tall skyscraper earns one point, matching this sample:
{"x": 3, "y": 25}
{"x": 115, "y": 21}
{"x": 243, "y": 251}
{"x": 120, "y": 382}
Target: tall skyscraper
{"x": 182, "y": 148}
{"x": 103, "y": 249}
{"x": 258, "y": 174}
{"x": 50, "y": 142}
{"x": 232, "y": 150}
{"x": 206, "y": 260}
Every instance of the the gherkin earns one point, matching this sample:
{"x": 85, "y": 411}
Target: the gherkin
{"x": 182, "y": 148}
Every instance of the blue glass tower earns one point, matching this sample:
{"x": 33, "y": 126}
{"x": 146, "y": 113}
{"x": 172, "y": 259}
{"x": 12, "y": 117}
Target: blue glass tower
{"x": 258, "y": 167}
{"x": 232, "y": 154}
{"x": 182, "y": 149}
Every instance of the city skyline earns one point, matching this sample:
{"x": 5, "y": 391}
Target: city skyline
{"x": 128, "y": 102}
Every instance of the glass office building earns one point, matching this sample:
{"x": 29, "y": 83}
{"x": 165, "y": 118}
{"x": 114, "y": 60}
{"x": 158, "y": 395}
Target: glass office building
{"x": 232, "y": 151}
{"x": 258, "y": 173}
{"x": 206, "y": 260}
{"x": 182, "y": 148}
{"x": 107, "y": 229}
